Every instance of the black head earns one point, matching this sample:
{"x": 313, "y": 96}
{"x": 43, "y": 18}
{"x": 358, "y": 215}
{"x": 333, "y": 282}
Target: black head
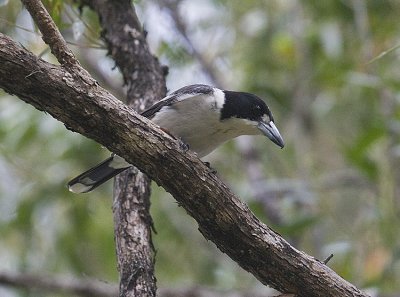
{"x": 244, "y": 106}
{"x": 249, "y": 107}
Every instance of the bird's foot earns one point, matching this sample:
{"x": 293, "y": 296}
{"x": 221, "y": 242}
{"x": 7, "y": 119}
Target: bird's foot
{"x": 183, "y": 145}
{"x": 212, "y": 170}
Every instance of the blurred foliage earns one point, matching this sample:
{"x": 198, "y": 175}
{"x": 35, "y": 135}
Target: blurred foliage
{"x": 335, "y": 186}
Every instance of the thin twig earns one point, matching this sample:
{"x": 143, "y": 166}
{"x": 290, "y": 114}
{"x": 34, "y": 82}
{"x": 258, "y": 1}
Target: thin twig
{"x": 384, "y": 53}
{"x": 50, "y": 33}
{"x": 328, "y": 259}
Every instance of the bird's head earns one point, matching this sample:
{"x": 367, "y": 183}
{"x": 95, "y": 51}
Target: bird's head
{"x": 253, "y": 111}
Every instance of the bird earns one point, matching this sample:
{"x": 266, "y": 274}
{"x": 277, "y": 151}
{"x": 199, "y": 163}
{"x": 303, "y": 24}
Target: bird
{"x": 203, "y": 117}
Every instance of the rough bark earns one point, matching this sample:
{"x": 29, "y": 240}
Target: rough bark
{"x": 124, "y": 37}
{"x": 86, "y": 108}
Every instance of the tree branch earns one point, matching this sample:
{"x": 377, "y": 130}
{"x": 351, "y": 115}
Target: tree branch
{"x": 51, "y": 34}
{"x": 90, "y": 110}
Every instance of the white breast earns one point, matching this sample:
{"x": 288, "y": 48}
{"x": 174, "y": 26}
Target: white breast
{"x": 196, "y": 120}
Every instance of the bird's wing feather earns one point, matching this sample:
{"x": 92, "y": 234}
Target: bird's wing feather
{"x": 98, "y": 174}
{"x": 179, "y": 95}
{"x": 152, "y": 110}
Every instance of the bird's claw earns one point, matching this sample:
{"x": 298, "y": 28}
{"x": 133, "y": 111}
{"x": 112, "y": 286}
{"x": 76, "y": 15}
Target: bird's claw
{"x": 183, "y": 145}
{"x": 209, "y": 166}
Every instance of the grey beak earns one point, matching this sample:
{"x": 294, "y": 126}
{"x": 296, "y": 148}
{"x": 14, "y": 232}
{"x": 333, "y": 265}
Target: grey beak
{"x": 270, "y": 130}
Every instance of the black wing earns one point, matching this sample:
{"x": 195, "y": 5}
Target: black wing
{"x": 176, "y": 97}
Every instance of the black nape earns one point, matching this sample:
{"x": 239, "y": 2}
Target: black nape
{"x": 244, "y": 106}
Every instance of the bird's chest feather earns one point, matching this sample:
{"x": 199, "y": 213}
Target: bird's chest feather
{"x": 183, "y": 119}
{"x": 199, "y": 125}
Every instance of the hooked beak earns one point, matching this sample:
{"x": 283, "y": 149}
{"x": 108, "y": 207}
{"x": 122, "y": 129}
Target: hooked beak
{"x": 270, "y": 130}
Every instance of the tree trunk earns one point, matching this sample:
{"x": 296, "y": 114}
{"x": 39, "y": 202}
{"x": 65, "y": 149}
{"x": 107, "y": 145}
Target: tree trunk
{"x": 122, "y": 32}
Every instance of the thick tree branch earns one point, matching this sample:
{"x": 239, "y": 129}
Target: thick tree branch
{"x": 90, "y": 110}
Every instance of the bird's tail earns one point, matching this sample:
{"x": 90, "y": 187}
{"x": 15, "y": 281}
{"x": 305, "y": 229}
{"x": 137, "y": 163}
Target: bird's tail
{"x": 98, "y": 174}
